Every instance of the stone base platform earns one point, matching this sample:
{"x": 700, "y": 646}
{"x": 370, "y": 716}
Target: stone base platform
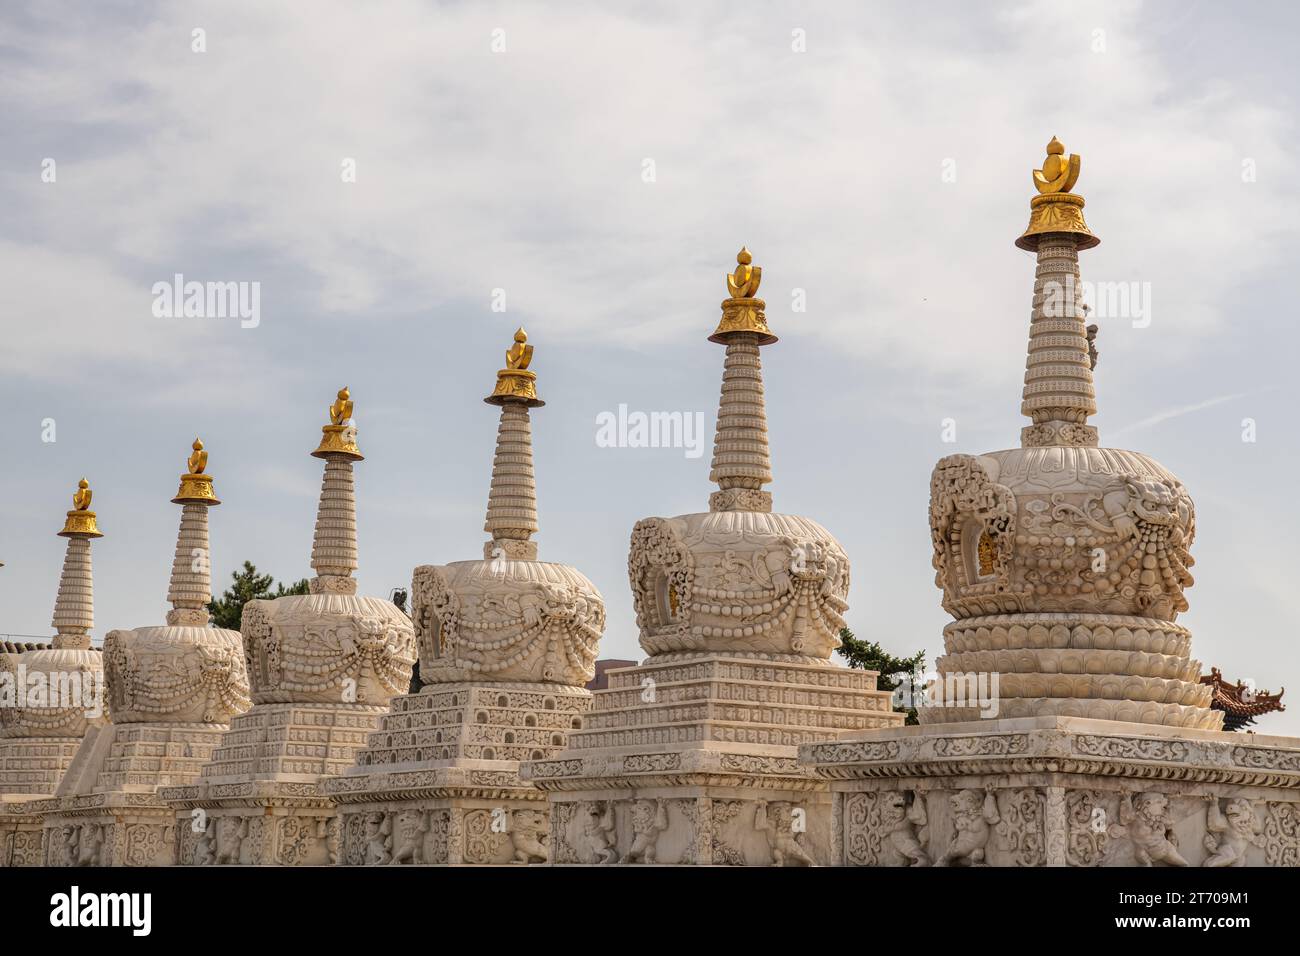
{"x": 106, "y": 811}
{"x": 34, "y": 766}
{"x": 438, "y": 782}
{"x": 31, "y": 768}
{"x": 691, "y": 759}
{"x": 22, "y": 840}
{"x": 1061, "y": 791}
{"x": 258, "y": 800}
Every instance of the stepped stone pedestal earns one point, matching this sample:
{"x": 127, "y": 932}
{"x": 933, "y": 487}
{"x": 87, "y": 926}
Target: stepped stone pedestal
{"x": 506, "y": 644}
{"x": 172, "y": 690}
{"x": 58, "y": 697}
{"x": 323, "y": 667}
{"x": 1061, "y": 791}
{"x": 439, "y": 780}
{"x": 690, "y": 757}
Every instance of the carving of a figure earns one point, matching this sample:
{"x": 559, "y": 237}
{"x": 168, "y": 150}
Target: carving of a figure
{"x": 777, "y": 821}
{"x": 906, "y": 827}
{"x": 649, "y": 819}
{"x": 528, "y": 836}
{"x": 1230, "y": 833}
{"x": 1147, "y": 822}
{"x": 205, "y": 850}
{"x": 379, "y": 831}
{"x": 86, "y": 844}
{"x": 230, "y": 838}
{"x": 408, "y": 844}
{"x": 71, "y": 837}
{"x": 973, "y": 816}
{"x": 598, "y": 830}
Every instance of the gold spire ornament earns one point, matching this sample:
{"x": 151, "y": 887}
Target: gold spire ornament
{"x": 341, "y": 410}
{"x": 743, "y": 311}
{"x": 743, "y": 283}
{"x": 196, "y": 487}
{"x": 80, "y": 521}
{"x": 1055, "y": 209}
{"x": 515, "y": 383}
{"x": 1058, "y": 174}
{"x": 339, "y": 438}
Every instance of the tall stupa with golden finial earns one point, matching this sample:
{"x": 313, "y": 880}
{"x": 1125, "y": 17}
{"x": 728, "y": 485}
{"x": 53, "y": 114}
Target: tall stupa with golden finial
{"x": 172, "y": 690}
{"x": 322, "y": 669}
{"x": 1065, "y": 724}
{"x": 50, "y": 696}
{"x": 506, "y": 644}
{"x": 1063, "y": 563}
{"x": 689, "y": 757}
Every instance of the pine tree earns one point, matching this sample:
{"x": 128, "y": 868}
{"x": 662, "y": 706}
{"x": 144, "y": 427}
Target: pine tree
{"x": 228, "y": 610}
{"x": 869, "y": 655}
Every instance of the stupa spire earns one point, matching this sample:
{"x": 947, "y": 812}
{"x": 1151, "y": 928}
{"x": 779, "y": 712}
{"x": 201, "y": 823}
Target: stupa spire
{"x": 74, "y": 608}
{"x": 190, "y": 588}
{"x": 334, "y": 546}
{"x": 1058, "y": 394}
{"x": 741, "y": 461}
{"x": 512, "y": 500}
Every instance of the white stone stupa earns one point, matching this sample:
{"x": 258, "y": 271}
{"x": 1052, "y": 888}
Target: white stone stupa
{"x": 172, "y": 690}
{"x": 58, "y": 696}
{"x": 322, "y": 667}
{"x": 506, "y": 644}
{"x": 690, "y": 757}
{"x": 1067, "y": 724}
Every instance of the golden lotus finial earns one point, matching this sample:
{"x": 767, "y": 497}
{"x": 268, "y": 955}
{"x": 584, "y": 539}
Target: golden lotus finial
{"x": 341, "y": 410}
{"x": 196, "y": 486}
{"x": 1058, "y": 174}
{"x": 81, "y": 520}
{"x": 519, "y": 355}
{"x": 199, "y": 459}
{"x": 743, "y": 283}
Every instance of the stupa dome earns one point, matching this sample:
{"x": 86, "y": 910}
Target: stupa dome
{"x": 738, "y": 581}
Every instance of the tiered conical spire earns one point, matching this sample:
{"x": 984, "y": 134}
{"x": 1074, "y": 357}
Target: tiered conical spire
{"x": 190, "y": 589}
{"x": 334, "y": 547}
{"x": 74, "y": 608}
{"x": 1058, "y": 394}
{"x": 741, "y": 461}
{"x": 512, "y": 500}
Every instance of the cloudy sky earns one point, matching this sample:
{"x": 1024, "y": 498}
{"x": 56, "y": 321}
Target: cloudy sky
{"x": 596, "y": 171}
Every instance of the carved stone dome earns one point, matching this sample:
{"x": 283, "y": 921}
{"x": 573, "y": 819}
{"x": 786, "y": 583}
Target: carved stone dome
{"x": 327, "y": 648}
{"x": 1061, "y": 528}
{"x": 738, "y": 582}
{"x": 176, "y": 673}
{"x": 66, "y": 671}
{"x": 506, "y": 620}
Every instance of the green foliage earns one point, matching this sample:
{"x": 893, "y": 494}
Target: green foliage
{"x": 228, "y": 610}
{"x": 869, "y": 655}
